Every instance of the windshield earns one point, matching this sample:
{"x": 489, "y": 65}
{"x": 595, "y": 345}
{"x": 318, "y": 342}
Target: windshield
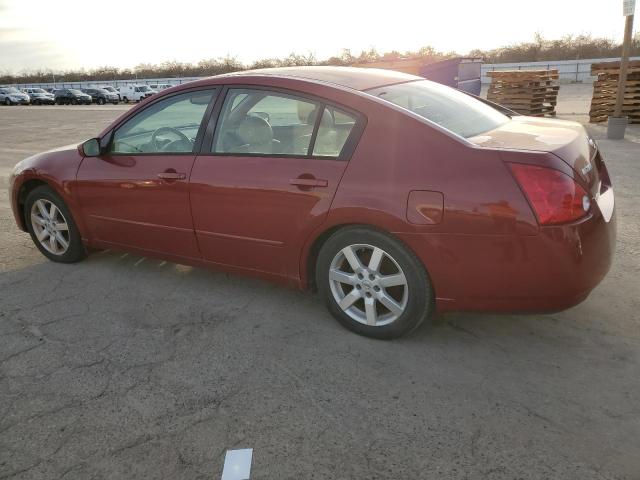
{"x": 110, "y": 89}
{"x": 10, "y": 90}
{"x": 74, "y": 91}
{"x": 144, "y": 88}
{"x": 453, "y": 110}
{"x": 101, "y": 90}
{"x": 37, "y": 90}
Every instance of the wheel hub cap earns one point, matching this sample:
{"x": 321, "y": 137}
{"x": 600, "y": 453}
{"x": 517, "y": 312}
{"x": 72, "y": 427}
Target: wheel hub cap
{"x": 50, "y": 227}
{"x": 368, "y": 285}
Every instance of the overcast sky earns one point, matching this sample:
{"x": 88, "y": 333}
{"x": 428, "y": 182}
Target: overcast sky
{"x": 64, "y": 34}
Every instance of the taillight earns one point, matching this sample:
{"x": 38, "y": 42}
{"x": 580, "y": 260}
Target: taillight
{"x": 555, "y": 197}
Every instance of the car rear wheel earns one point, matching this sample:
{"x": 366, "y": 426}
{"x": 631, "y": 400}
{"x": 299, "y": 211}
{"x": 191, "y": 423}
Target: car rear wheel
{"x": 125, "y": 99}
{"x": 74, "y": 101}
{"x": 372, "y": 283}
{"x": 100, "y": 101}
{"x": 52, "y": 227}
{"x": 7, "y": 101}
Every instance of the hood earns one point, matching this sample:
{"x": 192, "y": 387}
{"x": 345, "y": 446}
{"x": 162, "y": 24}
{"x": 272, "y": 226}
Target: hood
{"x": 567, "y": 140}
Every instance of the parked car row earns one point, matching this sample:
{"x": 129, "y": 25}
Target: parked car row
{"x": 74, "y": 96}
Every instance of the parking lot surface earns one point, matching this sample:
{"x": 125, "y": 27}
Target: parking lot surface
{"x": 123, "y": 367}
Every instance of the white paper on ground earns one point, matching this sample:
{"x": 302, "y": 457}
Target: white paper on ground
{"x": 237, "y": 464}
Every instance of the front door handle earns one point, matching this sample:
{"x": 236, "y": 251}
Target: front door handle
{"x": 172, "y": 176}
{"x": 308, "y": 182}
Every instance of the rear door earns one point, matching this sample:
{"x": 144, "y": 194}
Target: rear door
{"x": 137, "y": 194}
{"x": 269, "y": 177}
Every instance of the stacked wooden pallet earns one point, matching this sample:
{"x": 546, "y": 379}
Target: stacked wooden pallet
{"x": 529, "y": 92}
{"x": 605, "y": 90}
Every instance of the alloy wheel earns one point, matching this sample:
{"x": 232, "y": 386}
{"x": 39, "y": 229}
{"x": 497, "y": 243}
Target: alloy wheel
{"x": 50, "y": 227}
{"x": 368, "y": 285}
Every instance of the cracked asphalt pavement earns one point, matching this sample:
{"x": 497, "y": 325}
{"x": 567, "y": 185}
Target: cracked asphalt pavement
{"x": 122, "y": 367}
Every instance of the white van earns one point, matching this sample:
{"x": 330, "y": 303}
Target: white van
{"x": 135, "y": 93}
{"x": 160, "y": 86}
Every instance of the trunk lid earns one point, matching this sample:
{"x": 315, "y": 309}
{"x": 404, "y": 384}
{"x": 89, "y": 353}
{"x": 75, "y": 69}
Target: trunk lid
{"x": 567, "y": 140}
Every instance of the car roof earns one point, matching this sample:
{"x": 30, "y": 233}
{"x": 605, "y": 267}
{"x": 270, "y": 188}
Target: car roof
{"x": 349, "y": 77}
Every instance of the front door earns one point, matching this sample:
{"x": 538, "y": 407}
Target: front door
{"x": 269, "y": 179}
{"x": 137, "y": 193}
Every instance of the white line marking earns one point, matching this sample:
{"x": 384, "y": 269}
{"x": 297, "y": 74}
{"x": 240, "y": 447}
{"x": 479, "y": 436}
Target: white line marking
{"x": 139, "y": 262}
{"x": 237, "y": 464}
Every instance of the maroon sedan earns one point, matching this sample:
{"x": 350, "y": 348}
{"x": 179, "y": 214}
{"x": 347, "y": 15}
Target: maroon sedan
{"x": 390, "y": 194}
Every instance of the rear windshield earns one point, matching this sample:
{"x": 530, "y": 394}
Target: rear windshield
{"x": 449, "y": 108}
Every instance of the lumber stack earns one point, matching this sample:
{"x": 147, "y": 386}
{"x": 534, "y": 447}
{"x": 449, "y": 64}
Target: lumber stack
{"x": 529, "y": 92}
{"x": 605, "y": 89}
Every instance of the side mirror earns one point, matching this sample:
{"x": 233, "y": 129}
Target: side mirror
{"x": 91, "y": 148}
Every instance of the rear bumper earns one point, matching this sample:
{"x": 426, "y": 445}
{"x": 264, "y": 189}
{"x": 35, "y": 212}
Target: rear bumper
{"x": 551, "y": 271}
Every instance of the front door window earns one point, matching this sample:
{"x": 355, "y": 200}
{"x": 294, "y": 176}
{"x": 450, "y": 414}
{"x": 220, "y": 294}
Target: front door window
{"x": 168, "y": 126}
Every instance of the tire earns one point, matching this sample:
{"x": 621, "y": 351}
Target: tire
{"x": 373, "y": 288}
{"x": 74, "y": 251}
{"x": 7, "y": 102}
{"x": 125, "y": 99}
{"x": 74, "y": 101}
{"x": 100, "y": 101}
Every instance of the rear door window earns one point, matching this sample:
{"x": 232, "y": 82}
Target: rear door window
{"x": 265, "y": 123}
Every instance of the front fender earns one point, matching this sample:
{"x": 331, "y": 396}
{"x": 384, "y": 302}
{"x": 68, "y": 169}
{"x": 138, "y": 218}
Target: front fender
{"x": 57, "y": 169}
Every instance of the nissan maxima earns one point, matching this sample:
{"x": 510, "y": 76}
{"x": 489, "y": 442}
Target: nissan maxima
{"x": 391, "y": 195}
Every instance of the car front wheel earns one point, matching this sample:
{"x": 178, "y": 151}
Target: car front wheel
{"x": 51, "y": 226}
{"x": 7, "y": 101}
{"x": 372, "y": 283}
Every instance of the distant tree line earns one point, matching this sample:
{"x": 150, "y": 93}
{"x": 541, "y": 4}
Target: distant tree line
{"x": 540, "y": 49}
{"x": 569, "y": 47}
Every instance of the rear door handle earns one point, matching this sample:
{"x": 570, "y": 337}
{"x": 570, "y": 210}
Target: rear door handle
{"x": 171, "y": 176}
{"x": 308, "y": 182}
